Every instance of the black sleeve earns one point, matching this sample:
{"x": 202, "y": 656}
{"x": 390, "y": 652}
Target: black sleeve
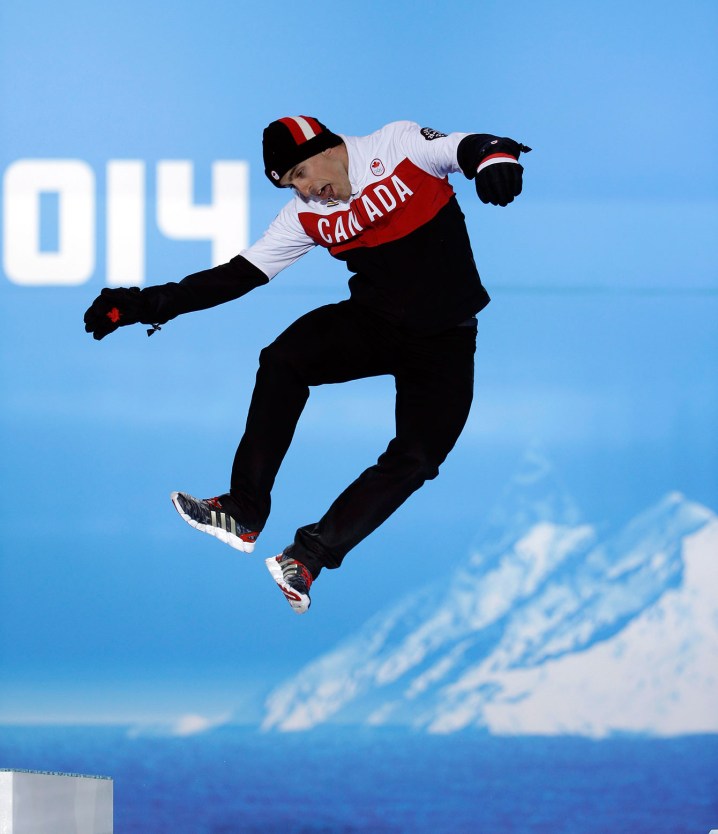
{"x": 200, "y": 290}
{"x": 471, "y": 150}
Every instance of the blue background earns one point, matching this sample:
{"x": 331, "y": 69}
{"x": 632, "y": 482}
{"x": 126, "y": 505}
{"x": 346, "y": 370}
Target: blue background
{"x": 600, "y": 344}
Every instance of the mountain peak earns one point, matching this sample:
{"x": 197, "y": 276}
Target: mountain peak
{"x": 562, "y": 630}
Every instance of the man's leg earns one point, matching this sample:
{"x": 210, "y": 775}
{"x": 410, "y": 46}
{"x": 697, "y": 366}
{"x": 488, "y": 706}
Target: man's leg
{"x": 434, "y": 392}
{"x": 329, "y": 344}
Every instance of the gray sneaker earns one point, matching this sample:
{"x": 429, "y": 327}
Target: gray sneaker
{"x": 212, "y": 516}
{"x": 294, "y": 580}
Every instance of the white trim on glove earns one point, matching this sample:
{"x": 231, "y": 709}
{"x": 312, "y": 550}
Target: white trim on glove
{"x": 494, "y": 159}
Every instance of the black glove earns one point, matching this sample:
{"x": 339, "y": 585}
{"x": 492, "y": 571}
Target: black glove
{"x": 113, "y": 308}
{"x": 499, "y": 177}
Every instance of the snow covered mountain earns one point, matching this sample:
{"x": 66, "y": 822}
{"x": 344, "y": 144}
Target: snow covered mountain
{"x": 545, "y": 629}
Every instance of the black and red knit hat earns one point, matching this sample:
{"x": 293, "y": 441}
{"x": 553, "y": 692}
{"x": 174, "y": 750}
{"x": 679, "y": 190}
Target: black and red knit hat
{"x": 291, "y": 140}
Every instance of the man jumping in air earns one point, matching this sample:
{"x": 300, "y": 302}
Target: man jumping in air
{"x": 382, "y": 204}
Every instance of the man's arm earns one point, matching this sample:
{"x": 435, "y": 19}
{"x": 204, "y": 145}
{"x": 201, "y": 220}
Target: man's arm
{"x": 119, "y": 306}
{"x": 283, "y": 243}
{"x": 490, "y": 160}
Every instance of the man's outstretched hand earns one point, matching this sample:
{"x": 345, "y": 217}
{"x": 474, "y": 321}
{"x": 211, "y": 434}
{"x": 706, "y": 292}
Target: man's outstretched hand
{"x": 113, "y": 308}
{"x": 499, "y": 176}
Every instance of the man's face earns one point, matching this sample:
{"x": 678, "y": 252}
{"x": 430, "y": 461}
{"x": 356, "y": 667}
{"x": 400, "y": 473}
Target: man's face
{"x": 321, "y": 177}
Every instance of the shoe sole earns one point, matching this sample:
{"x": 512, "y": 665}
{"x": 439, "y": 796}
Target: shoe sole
{"x": 300, "y": 602}
{"x": 218, "y": 532}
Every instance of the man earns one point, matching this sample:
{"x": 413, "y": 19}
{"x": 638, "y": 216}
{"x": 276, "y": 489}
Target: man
{"x": 382, "y": 204}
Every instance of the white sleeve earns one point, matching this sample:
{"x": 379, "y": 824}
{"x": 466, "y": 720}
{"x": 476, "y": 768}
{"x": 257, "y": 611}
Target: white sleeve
{"x": 284, "y": 242}
{"x": 431, "y": 150}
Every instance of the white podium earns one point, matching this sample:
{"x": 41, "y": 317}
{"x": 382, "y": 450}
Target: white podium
{"x": 33, "y": 802}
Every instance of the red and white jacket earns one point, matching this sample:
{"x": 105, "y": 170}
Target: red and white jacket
{"x": 401, "y": 232}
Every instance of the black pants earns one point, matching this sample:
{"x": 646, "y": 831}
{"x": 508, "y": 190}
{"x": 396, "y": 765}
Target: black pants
{"x": 340, "y": 342}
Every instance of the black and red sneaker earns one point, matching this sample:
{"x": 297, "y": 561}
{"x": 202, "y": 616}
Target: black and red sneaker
{"x": 217, "y": 517}
{"x": 294, "y": 580}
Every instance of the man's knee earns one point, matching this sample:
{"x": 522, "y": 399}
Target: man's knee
{"x": 278, "y": 358}
{"x": 411, "y": 461}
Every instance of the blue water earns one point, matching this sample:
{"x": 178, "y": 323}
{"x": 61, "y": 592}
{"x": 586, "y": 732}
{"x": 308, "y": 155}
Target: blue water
{"x": 335, "y": 781}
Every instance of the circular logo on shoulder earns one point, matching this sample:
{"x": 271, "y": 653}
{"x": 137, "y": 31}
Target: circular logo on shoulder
{"x": 377, "y": 167}
{"x": 275, "y": 175}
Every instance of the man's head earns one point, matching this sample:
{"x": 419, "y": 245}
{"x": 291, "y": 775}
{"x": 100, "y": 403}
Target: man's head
{"x": 301, "y": 152}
